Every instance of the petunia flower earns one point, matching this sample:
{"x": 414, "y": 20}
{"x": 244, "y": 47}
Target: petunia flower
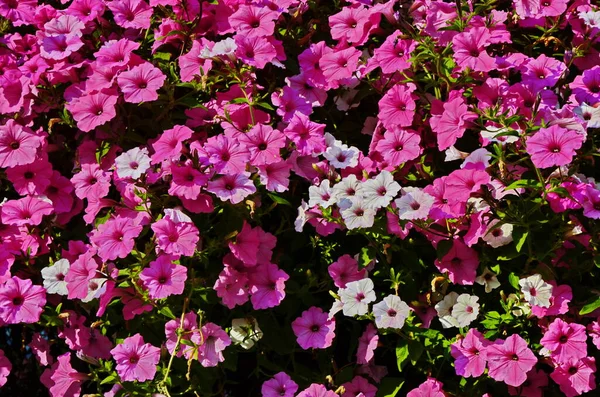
{"x": 553, "y": 146}
{"x": 164, "y": 278}
{"x": 460, "y": 262}
{"x": 189, "y": 330}
{"x": 314, "y": 330}
{"x": 565, "y": 341}
{"x": 397, "y": 107}
{"x": 399, "y": 146}
{"x": 575, "y": 377}
{"x": 345, "y": 270}
{"x": 379, "y": 191}
{"x": 510, "y": 361}
{"x": 367, "y": 343}
{"x": 430, "y": 388}
{"x": 5, "y": 368}
{"x": 281, "y": 385}
{"x": 267, "y": 286}
{"x": 21, "y": 301}
{"x": 54, "y": 277}
{"x": 469, "y": 354}
{"x": 135, "y": 359}
{"x": 338, "y": 65}
{"x": 488, "y": 279}
{"x": 253, "y": 21}
{"x": 469, "y": 50}
{"x": 141, "y": 83}
{"x": 170, "y": 143}
{"x": 413, "y": 204}
{"x": 25, "y": 211}
{"x": 213, "y": 341}
{"x": 134, "y": 14}
{"x": 245, "y": 332}
{"x": 176, "y": 238}
{"x": 18, "y": 144}
{"x": 356, "y": 296}
{"x": 66, "y": 380}
{"x": 358, "y": 214}
{"x": 391, "y": 312}
{"x": 234, "y": 188}
{"x": 466, "y": 309}
{"x": 133, "y": 163}
{"x": 116, "y": 237}
{"x": 536, "y": 291}
{"x": 93, "y": 109}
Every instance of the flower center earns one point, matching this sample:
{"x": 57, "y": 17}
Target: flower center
{"x": 572, "y": 370}
{"x": 563, "y": 339}
{"x": 134, "y": 359}
{"x": 15, "y": 145}
{"x": 315, "y": 328}
{"x": 391, "y": 313}
{"x": 18, "y": 300}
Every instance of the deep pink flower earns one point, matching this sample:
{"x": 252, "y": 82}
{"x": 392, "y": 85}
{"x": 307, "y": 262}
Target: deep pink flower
{"x": 349, "y": 24}
{"x": 26, "y": 211}
{"x": 176, "y": 238}
{"x": 245, "y": 246}
{"x": 21, "y": 301}
{"x": 253, "y": 21}
{"x": 367, "y": 344}
{"x": 359, "y": 387}
{"x": 192, "y": 65}
{"x": 255, "y": 51}
{"x": 314, "y": 329}
{"x": 19, "y": 12}
{"x": 58, "y": 47}
{"x": 399, "y": 146}
{"x": 430, "y": 388}
{"x": 450, "y": 120}
{"x": 18, "y": 144}
{"x": 6, "y": 367}
{"x": 141, "y": 83}
{"x": 234, "y": 188}
{"x": 553, "y": 146}
{"x": 308, "y": 136}
{"x": 231, "y": 286}
{"x": 93, "y": 110}
{"x": 316, "y": 390}
{"x": 170, "y": 144}
{"x": 135, "y": 359}
{"x": 281, "y": 385}
{"x": 394, "y": 53}
{"x": 66, "y": 380}
{"x": 264, "y": 144}
{"x": 586, "y": 87}
{"x": 91, "y": 182}
{"x": 469, "y": 50}
{"x": 31, "y": 178}
{"x": 164, "y": 278}
{"x": 591, "y": 203}
{"x": 267, "y": 286}
{"x": 542, "y": 72}
{"x": 86, "y": 10}
{"x": 80, "y": 273}
{"x": 397, "y": 107}
{"x": 116, "y": 237}
{"x": 275, "y": 176}
{"x": 345, "y": 270}
{"x": 576, "y": 377}
{"x": 460, "y": 262}
{"x": 533, "y": 386}
{"x": 188, "y": 331}
{"x": 510, "y": 361}
{"x": 134, "y": 14}
{"x": 559, "y": 301}
{"x": 289, "y": 103}
{"x": 470, "y": 354}
{"x": 214, "y": 341}
{"x": 565, "y": 341}
{"x": 187, "y": 181}
{"x": 338, "y": 65}
{"x": 227, "y": 155}
{"x": 116, "y": 53}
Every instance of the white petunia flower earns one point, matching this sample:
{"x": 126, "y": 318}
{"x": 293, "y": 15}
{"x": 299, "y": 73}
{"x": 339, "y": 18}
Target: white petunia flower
{"x": 133, "y": 163}
{"x": 54, "y": 277}
{"x": 589, "y": 114}
{"x": 342, "y": 156}
{"x": 245, "y": 332}
{"x": 358, "y": 215}
{"x": 414, "y": 204}
{"x": 480, "y": 156}
{"x": 536, "y": 291}
{"x": 321, "y": 195}
{"x": 490, "y": 133}
{"x": 391, "y": 312}
{"x": 591, "y": 18}
{"x": 356, "y": 297}
{"x": 380, "y": 191}
{"x": 444, "y": 310}
{"x": 498, "y": 236}
{"x": 466, "y": 309}
{"x": 345, "y": 191}
{"x": 96, "y": 288}
{"x": 488, "y": 279}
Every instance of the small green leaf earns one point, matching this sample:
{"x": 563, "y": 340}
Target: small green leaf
{"x": 520, "y": 236}
{"x": 165, "y": 311}
{"x": 524, "y": 183}
{"x": 112, "y": 378}
{"x": 402, "y": 354}
{"x": 390, "y": 387}
{"x": 279, "y": 200}
{"x": 513, "y": 279}
{"x": 590, "y": 307}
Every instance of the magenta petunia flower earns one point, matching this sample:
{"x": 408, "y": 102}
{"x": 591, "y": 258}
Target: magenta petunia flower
{"x": 399, "y": 146}
{"x": 80, "y": 273}
{"x": 314, "y": 330}
{"x": 227, "y": 155}
{"x": 460, "y": 262}
{"x": 281, "y": 385}
{"x": 116, "y": 53}
{"x": 264, "y": 144}
{"x": 188, "y": 331}
{"x": 21, "y": 301}
{"x": 510, "y": 361}
{"x": 575, "y": 377}
{"x": 469, "y": 50}
{"x": 359, "y": 387}
{"x": 338, "y": 65}
{"x": 135, "y": 359}
{"x": 245, "y": 246}
{"x": 394, "y": 53}
{"x": 58, "y": 47}
{"x": 275, "y": 176}
{"x": 591, "y": 203}
{"x": 176, "y": 238}
{"x": 533, "y": 387}
{"x": 542, "y": 72}
{"x": 135, "y": 14}
{"x": 470, "y": 354}
{"x": 170, "y": 143}
{"x": 345, "y": 270}
{"x": 66, "y": 380}
{"x": 116, "y": 237}
{"x": 255, "y": 51}
{"x": 267, "y": 286}
{"x": 86, "y": 10}
{"x": 141, "y": 83}
{"x": 213, "y": 341}
{"x": 93, "y": 109}
{"x": 18, "y": 145}
{"x": 553, "y": 146}
{"x": 6, "y": 367}
{"x": 397, "y": 107}
{"x": 164, "y": 278}
{"x": 26, "y": 211}
{"x": 234, "y": 188}
{"x": 565, "y": 341}
{"x": 232, "y": 286}
{"x": 586, "y": 87}
{"x": 450, "y": 120}
{"x": 349, "y": 24}
{"x": 253, "y": 21}
{"x": 31, "y": 178}
{"x": 367, "y": 343}
{"x": 430, "y": 388}
{"x": 308, "y": 136}
{"x": 91, "y": 182}
{"x": 316, "y": 390}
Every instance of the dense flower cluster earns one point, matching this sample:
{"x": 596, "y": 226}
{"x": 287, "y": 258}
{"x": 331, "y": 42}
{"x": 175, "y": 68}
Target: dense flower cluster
{"x": 299, "y": 197}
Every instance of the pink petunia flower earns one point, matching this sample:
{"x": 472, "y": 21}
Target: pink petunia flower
{"x": 59, "y": 47}
{"x": 227, "y": 155}
{"x": 397, "y": 107}
{"x": 460, "y": 262}
{"x": 18, "y": 144}
{"x": 316, "y": 390}
{"x": 359, "y": 387}
{"x": 214, "y": 341}
{"x": 559, "y": 301}
{"x": 255, "y": 51}
{"x": 253, "y": 21}
{"x": 176, "y": 238}
{"x": 308, "y": 136}
{"x": 264, "y": 144}
{"x": 5, "y": 368}
{"x": 367, "y": 343}
{"x": 164, "y": 278}
{"x": 116, "y": 237}
{"x": 234, "y": 188}
{"x": 232, "y": 286}
{"x": 66, "y": 380}
{"x": 93, "y": 109}
{"x": 394, "y": 53}
{"x": 591, "y": 203}
{"x": 116, "y": 53}
{"x": 31, "y": 178}
{"x": 21, "y": 301}
{"x": 430, "y": 388}
{"x": 399, "y": 146}
{"x": 267, "y": 286}
{"x": 450, "y": 120}
{"x": 345, "y": 270}
{"x": 275, "y": 176}
{"x": 576, "y": 377}
{"x": 338, "y": 65}
{"x": 281, "y": 385}
{"x": 81, "y": 272}
{"x": 533, "y": 386}
{"x": 470, "y": 354}
{"x": 135, "y": 14}
{"x": 565, "y": 341}
{"x": 510, "y": 361}
{"x": 91, "y": 182}
{"x": 188, "y": 331}
{"x": 135, "y": 359}
{"x": 141, "y": 83}
{"x": 542, "y": 72}
{"x": 26, "y": 211}
{"x": 170, "y": 143}
{"x": 469, "y": 50}
{"x": 553, "y": 146}
{"x": 314, "y": 329}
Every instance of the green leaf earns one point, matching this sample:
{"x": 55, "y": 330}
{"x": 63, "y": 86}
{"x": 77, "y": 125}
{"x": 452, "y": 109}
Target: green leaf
{"x": 165, "y": 56}
{"x": 513, "y": 279}
{"x": 279, "y": 199}
{"x": 590, "y": 307}
{"x": 165, "y": 311}
{"x": 520, "y": 236}
{"x": 365, "y": 256}
{"x": 415, "y": 350}
{"x": 524, "y": 183}
{"x": 390, "y": 387}
{"x": 264, "y": 105}
{"x": 112, "y": 378}
{"x": 402, "y": 354}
